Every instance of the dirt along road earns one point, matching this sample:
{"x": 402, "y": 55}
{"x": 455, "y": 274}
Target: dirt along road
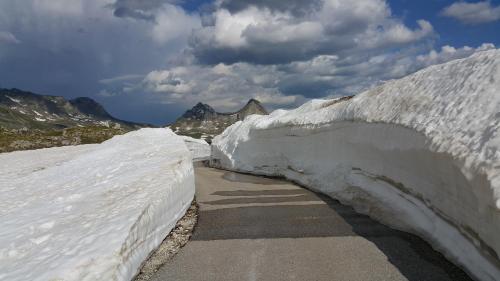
{"x": 255, "y": 228}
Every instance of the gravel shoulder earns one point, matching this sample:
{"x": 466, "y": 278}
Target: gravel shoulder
{"x": 176, "y": 239}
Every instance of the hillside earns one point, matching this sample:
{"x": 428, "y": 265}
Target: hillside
{"x": 32, "y": 121}
{"x": 20, "y": 109}
{"x": 202, "y": 121}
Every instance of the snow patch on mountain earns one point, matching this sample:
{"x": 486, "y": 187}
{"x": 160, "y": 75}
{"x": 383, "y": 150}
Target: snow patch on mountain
{"x": 13, "y": 99}
{"x": 91, "y": 212}
{"x": 421, "y": 154}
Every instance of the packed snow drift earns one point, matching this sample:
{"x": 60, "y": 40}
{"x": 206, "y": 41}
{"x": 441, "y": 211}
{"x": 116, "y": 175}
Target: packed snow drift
{"x": 199, "y": 148}
{"x": 421, "y": 154}
{"x": 91, "y": 212}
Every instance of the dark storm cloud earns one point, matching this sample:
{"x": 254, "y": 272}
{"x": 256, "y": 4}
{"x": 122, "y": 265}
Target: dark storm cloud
{"x": 266, "y": 55}
{"x": 54, "y": 47}
{"x": 139, "y": 9}
{"x": 260, "y": 50}
{"x": 275, "y": 32}
{"x": 306, "y": 86}
{"x": 297, "y": 7}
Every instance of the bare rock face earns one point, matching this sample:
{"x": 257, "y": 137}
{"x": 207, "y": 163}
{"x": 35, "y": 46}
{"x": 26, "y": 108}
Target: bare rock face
{"x": 202, "y": 121}
{"x": 252, "y": 107}
{"x": 200, "y": 111}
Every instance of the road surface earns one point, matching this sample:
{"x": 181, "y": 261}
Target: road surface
{"x": 255, "y": 228}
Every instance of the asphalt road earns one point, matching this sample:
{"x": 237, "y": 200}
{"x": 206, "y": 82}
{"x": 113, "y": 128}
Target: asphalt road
{"x": 254, "y": 228}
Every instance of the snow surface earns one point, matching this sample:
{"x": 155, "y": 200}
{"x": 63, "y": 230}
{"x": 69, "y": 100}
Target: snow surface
{"x": 13, "y": 99}
{"x": 199, "y": 148}
{"x": 91, "y": 212}
{"x": 421, "y": 154}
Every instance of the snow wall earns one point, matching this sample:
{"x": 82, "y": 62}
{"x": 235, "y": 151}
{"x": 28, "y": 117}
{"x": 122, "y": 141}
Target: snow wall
{"x": 420, "y": 154}
{"x": 199, "y": 148}
{"x": 91, "y": 212}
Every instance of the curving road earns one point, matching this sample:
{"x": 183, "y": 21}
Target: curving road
{"x": 254, "y": 228}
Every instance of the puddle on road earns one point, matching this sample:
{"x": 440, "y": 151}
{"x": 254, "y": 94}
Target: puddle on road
{"x": 271, "y": 192}
{"x": 237, "y": 177}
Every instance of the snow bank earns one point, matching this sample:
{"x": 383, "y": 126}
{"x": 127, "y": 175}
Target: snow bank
{"x": 199, "y": 148}
{"x": 91, "y": 212}
{"x": 420, "y": 153}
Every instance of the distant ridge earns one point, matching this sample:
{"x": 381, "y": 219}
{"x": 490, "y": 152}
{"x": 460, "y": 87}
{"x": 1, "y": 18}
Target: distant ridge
{"x": 202, "y": 121}
{"x": 25, "y": 110}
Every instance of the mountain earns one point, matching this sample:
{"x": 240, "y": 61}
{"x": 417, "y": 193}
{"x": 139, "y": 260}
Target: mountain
{"x": 20, "y": 109}
{"x": 202, "y": 121}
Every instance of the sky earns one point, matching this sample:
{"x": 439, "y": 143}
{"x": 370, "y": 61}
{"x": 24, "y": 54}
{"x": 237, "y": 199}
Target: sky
{"x": 150, "y": 60}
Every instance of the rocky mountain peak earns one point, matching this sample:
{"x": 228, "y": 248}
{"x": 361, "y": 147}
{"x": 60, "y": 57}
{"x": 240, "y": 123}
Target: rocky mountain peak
{"x": 89, "y": 106}
{"x": 253, "y": 101}
{"x": 202, "y": 121}
{"x": 199, "y": 112}
{"x": 252, "y": 107}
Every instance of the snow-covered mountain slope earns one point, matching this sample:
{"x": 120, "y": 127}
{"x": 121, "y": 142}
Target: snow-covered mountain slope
{"x": 421, "y": 154}
{"x": 91, "y": 212}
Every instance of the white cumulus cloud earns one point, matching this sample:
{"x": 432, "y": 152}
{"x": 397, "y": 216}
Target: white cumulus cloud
{"x": 172, "y": 23}
{"x": 473, "y": 13}
{"x": 263, "y": 35}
